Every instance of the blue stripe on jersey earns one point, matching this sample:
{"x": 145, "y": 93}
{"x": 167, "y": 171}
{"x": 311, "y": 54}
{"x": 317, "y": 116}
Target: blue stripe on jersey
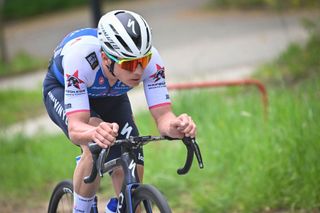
{"x": 57, "y": 73}
{"x": 78, "y": 33}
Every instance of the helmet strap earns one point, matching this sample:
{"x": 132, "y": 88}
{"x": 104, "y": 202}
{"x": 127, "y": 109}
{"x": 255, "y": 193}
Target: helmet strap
{"x": 111, "y": 67}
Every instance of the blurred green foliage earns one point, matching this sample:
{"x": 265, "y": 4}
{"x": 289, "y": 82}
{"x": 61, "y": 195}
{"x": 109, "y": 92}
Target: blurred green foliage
{"x": 267, "y": 4}
{"x": 19, "y": 105}
{"x": 17, "y": 9}
{"x": 298, "y": 62}
{"x": 21, "y": 63}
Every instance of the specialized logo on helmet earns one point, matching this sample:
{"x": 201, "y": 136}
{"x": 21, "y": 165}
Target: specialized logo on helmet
{"x": 131, "y": 24}
{"x": 74, "y": 80}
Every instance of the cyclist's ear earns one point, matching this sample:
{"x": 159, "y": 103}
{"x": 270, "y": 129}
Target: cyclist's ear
{"x": 105, "y": 58}
{"x": 104, "y": 55}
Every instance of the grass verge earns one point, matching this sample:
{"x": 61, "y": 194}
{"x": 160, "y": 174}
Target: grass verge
{"x": 20, "y": 64}
{"x": 251, "y": 165}
{"x": 18, "y": 105}
{"x": 29, "y": 165}
{"x": 265, "y": 4}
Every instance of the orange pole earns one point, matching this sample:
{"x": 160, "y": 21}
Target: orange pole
{"x": 245, "y": 82}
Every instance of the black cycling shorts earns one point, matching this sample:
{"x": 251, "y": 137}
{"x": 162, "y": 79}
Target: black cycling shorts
{"x": 110, "y": 109}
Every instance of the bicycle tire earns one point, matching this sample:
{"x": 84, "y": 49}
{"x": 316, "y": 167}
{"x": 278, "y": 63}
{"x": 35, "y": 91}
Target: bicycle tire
{"x": 56, "y": 204}
{"x": 148, "y": 196}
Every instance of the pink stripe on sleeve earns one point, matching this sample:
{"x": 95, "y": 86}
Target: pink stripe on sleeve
{"x": 82, "y": 110}
{"x": 159, "y": 105}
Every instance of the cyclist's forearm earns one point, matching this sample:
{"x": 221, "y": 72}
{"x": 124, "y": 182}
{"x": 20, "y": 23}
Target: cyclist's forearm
{"x": 81, "y": 127}
{"x": 163, "y": 117}
{"x": 81, "y": 133}
{"x": 165, "y": 127}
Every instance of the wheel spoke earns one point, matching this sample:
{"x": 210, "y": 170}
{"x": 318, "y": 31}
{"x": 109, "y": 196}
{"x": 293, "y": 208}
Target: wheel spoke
{"x": 65, "y": 204}
{"x": 62, "y": 198}
{"x": 147, "y": 199}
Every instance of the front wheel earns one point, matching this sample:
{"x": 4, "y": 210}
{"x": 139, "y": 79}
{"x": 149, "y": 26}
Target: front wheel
{"x": 62, "y": 198}
{"x": 148, "y": 199}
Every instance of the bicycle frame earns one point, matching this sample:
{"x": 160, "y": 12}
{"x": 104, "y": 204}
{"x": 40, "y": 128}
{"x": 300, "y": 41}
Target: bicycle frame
{"x": 130, "y": 181}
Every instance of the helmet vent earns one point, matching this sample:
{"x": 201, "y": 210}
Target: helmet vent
{"x": 119, "y": 12}
{"x": 108, "y": 45}
{"x": 114, "y": 30}
{"x": 148, "y": 36}
{"x": 127, "y": 56}
{"x": 123, "y": 43}
{"x": 148, "y": 32}
{"x": 137, "y": 41}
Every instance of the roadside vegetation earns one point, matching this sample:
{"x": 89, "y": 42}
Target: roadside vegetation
{"x": 16, "y": 10}
{"x": 297, "y": 62}
{"x": 18, "y": 105}
{"x": 265, "y": 4}
{"x": 12, "y": 9}
{"x": 251, "y": 164}
{"x": 29, "y": 166}
{"x": 22, "y": 63}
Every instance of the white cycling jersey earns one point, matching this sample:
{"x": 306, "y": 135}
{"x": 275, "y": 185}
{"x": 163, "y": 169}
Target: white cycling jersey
{"x": 77, "y": 64}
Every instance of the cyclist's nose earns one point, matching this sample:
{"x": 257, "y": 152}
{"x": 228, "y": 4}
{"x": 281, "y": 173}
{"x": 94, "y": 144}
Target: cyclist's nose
{"x": 139, "y": 69}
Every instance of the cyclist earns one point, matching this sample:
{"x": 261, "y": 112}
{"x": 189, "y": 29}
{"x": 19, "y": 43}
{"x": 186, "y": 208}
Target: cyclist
{"x": 85, "y": 92}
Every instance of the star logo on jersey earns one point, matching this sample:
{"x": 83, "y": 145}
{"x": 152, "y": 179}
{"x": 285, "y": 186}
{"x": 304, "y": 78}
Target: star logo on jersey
{"x": 159, "y": 74}
{"x": 74, "y": 80}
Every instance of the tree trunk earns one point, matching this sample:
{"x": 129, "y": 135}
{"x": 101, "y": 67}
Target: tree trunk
{"x": 3, "y": 49}
{"x": 96, "y": 11}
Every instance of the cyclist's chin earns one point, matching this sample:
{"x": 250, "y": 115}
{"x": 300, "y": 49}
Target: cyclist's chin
{"x": 133, "y": 82}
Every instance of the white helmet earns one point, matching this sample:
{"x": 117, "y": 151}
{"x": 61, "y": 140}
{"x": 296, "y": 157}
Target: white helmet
{"x": 124, "y": 34}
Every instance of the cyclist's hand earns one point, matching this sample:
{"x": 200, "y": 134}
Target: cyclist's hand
{"x": 105, "y": 134}
{"x": 184, "y": 125}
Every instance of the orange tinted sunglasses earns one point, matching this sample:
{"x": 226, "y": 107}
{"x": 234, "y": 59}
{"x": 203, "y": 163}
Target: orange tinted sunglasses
{"x": 131, "y": 64}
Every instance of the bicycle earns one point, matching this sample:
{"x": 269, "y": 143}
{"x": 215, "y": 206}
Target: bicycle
{"x": 134, "y": 195}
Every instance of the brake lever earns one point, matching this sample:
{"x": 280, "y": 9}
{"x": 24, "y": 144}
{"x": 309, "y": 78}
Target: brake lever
{"x": 94, "y": 149}
{"x": 100, "y": 161}
{"x": 98, "y": 158}
{"x": 197, "y": 152}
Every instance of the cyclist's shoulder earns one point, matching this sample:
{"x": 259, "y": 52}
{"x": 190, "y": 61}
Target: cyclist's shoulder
{"x": 82, "y": 48}
{"x": 84, "y": 57}
{"x": 81, "y": 32}
{"x": 80, "y": 39}
{"x": 154, "y": 51}
{"x": 156, "y": 56}
{"x": 155, "y": 62}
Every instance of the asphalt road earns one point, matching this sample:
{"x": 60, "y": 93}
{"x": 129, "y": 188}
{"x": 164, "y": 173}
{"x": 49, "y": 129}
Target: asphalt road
{"x": 192, "y": 40}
